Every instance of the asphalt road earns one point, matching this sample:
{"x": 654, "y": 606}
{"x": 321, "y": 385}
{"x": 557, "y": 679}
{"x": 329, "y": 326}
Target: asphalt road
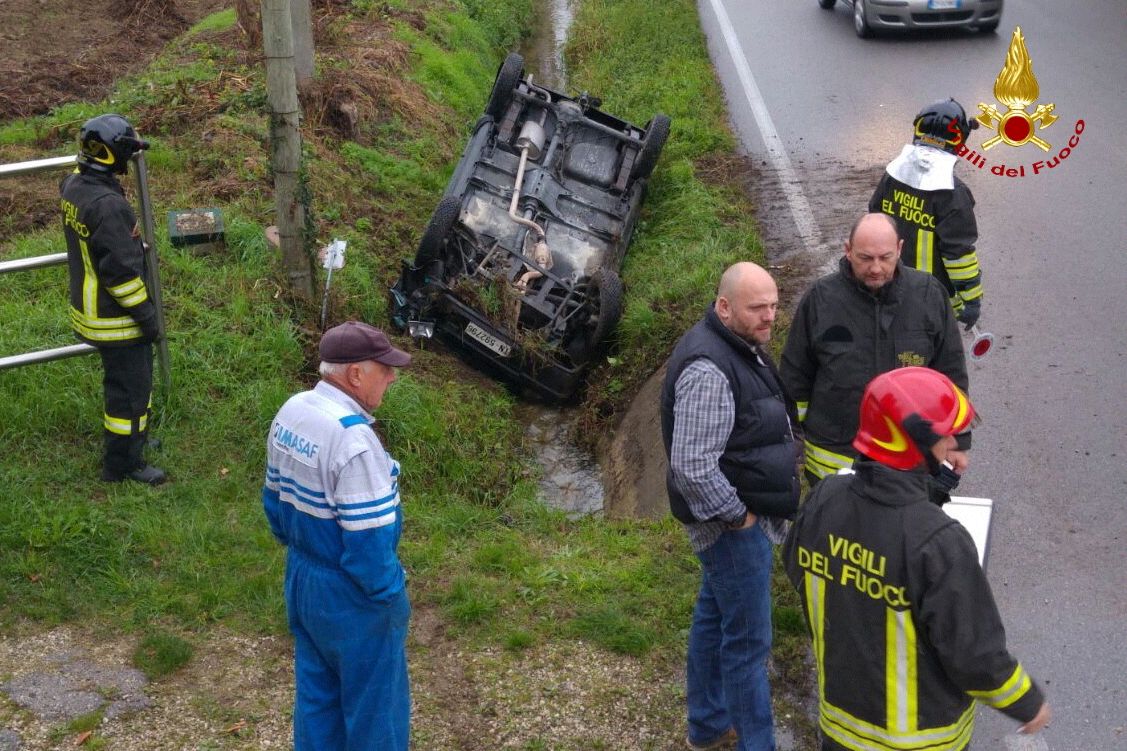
{"x": 821, "y": 112}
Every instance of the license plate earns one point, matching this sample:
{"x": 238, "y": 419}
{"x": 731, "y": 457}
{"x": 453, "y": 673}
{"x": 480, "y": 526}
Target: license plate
{"x": 490, "y": 341}
{"x": 944, "y": 4}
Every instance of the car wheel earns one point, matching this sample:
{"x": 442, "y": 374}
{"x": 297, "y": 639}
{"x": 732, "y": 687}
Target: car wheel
{"x": 988, "y": 28}
{"x": 604, "y": 296}
{"x": 657, "y": 131}
{"x": 827, "y": 4}
{"x": 508, "y": 76}
{"x": 860, "y": 22}
{"x": 439, "y": 226}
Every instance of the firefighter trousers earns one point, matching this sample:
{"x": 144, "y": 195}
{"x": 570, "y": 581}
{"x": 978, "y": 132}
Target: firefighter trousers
{"x": 127, "y": 385}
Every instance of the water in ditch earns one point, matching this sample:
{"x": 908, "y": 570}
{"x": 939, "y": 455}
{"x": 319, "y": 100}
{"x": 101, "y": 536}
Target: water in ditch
{"x": 543, "y": 48}
{"x": 570, "y": 478}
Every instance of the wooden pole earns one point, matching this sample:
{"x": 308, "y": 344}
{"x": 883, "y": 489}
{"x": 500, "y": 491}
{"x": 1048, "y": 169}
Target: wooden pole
{"x": 285, "y": 144}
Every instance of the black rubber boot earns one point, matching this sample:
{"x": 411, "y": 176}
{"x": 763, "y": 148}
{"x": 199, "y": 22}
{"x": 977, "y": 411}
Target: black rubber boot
{"x": 147, "y": 474}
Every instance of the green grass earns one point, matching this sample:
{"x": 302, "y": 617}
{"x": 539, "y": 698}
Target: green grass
{"x": 643, "y": 58}
{"x": 161, "y": 653}
{"x": 481, "y": 551}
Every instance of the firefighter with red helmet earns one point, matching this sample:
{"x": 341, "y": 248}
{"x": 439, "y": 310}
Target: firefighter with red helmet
{"x": 110, "y": 306}
{"x": 906, "y": 633}
{"x": 934, "y": 209}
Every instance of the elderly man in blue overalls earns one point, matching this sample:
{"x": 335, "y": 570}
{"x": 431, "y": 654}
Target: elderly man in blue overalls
{"x": 332, "y": 498}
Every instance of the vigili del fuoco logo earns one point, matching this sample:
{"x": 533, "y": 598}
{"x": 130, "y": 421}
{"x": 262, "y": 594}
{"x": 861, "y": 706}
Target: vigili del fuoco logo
{"x": 1016, "y": 87}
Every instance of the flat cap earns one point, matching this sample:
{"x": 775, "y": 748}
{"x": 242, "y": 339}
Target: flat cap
{"x": 353, "y": 341}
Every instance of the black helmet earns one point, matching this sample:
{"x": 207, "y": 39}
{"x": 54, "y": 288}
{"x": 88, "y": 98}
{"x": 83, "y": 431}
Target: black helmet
{"x": 106, "y": 143}
{"x": 943, "y": 125}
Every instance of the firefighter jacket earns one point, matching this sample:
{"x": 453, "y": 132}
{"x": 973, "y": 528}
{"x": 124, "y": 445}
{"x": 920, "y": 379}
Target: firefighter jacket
{"x": 843, "y": 336}
{"x": 109, "y": 302}
{"x": 906, "y": 632}
{"x": 934, "y": 216}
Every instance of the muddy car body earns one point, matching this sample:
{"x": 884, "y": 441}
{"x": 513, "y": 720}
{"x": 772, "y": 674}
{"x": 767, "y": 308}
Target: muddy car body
{"x": 518, "y": 268}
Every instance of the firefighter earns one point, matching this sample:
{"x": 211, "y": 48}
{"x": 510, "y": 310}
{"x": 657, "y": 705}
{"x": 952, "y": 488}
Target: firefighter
{"x": 906, "y": 633}
{"x": 934, "y": 209}
{"x": 871, "y": 315}
{"x": 110, "y": 306}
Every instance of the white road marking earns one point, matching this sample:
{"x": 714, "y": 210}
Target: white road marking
{"x": 776, "y": 152}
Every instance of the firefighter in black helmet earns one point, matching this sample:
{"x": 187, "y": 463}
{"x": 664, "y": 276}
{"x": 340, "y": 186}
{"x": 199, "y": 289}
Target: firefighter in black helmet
{"x": 934, "y": 209}
{"x": 110, "y": 306}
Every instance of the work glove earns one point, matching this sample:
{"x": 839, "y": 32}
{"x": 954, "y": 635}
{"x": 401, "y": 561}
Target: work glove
{"x": 968, "y": 316}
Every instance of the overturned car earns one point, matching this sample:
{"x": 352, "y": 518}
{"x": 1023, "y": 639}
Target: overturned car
{"x": 518, "y": 268}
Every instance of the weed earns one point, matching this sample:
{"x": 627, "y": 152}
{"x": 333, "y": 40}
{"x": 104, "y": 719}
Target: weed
{"x": 161, "y": 653}
{"x": 516, "y": 641}
{"x": 86, "y": 723}
{"x": 611, "y": 628}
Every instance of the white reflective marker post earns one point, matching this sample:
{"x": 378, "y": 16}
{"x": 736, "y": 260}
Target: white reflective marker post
{"x": 332, "y": 257}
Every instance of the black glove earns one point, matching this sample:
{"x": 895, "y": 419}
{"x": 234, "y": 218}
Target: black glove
{"x": 942, "y": 481}
{"x": 149, "y": 329}
{"x": 968, "y": 316}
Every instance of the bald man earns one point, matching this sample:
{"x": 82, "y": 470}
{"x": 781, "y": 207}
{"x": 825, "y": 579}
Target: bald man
{"x": 870, "y": 316}
{"x": 733, "y": 479}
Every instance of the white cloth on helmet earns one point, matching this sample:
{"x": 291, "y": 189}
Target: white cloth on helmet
{"x": 924, "y": 167}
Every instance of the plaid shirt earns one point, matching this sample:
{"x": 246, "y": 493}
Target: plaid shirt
{"x": 703, "y": 416}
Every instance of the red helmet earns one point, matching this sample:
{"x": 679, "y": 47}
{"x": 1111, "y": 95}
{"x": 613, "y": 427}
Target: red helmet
{"x": 902, "y": 408}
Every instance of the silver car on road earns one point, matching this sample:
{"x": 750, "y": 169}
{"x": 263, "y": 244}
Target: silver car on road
{"x": 903, "y": 15}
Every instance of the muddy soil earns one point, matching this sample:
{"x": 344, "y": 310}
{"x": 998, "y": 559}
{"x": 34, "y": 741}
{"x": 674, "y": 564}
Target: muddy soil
{"x": 57, "y": 51}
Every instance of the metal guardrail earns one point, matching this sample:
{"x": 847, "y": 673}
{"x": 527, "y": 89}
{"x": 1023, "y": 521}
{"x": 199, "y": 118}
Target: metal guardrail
{"x": 38, "y": 262}
{"x": 152, "y": 277}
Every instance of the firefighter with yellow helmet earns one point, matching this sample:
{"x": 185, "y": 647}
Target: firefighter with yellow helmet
{"x": 110, "y": 306}
{"x": 906, "y": 633}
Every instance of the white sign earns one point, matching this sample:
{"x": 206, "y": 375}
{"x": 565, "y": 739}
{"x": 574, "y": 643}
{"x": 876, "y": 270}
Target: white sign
{"x": 974, "y": 514}
{"x": 332, "y": 255}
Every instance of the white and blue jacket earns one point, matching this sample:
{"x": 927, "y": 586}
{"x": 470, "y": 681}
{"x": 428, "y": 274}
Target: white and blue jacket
{"x": 332, "y": 491}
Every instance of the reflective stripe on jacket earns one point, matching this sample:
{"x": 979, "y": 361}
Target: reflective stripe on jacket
{"x": 935, "y": 223}
{"x": 108, "y": 296}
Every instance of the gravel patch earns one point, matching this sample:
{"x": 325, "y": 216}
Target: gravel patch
{"x": 237, "y": 693}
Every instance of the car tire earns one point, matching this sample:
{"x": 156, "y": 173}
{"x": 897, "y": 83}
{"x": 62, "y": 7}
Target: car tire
{"x": 988, "y": 28}
{"x": 604, "y": 294}
{"x": 657, "y": 132}
{"x": 509, "y": 75}
{"x": 827, "y": 4}
{"x": 860, "y": 19}
{"x": 439, "y": 226}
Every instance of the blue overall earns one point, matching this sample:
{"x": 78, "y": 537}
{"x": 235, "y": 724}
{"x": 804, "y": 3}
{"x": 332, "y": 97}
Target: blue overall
{"x": 332, "y": 497}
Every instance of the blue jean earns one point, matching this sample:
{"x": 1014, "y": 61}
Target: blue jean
{"x": 350, "y": 662}
{"x": 730, "y": 640}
